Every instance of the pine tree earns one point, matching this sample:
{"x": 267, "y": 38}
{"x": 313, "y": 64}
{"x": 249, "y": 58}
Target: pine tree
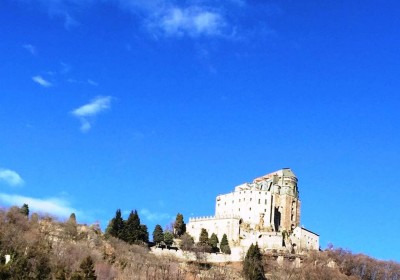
{"x": 132, "y": 229}
{"x": 25, "y": 209}
{"x": 253, "y": 265}
{"x": 158, "y": 235}
{"x": 116, "y": 225}
{"x": 144, "y": 234}
{"x": 168, "y": 238}
{"x": 225, "y": 245}
{"x": 213, "y": 242}
{"x": 203, "y": 239}
{"x": 179, "y": 225}
{"x": 72, "y": 218}
{"x": 86, "y": 270}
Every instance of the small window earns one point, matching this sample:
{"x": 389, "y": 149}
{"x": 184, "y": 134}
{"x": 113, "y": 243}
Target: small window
{"x": 250, "y": 209}
{"x": 265, "y": 201}
{"x": 259, "y": 201}
{"x": 239, "y": 209}
{"x": 265, "y": 210}
{"x": 250, "y": 199}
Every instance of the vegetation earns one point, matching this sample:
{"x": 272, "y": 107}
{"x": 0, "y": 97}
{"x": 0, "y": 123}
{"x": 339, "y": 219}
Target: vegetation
{"x": 213, "y": 242}
{"x": 253, "y": 264}
{"x": 41, "y": 247}
{"x": 116, "y": 225}
{"x": 130, "y": 231}
{"x": 187, "y": 242}
{"x": 168, "y": 238}
{"x": 224, "y": 246}
{"x": 25, "y": 209}
{"x": 86, "y": 270}
{"x": 203, "y": 238}
{"x": 179, "y": 225}
{"x": 158, "y": 235}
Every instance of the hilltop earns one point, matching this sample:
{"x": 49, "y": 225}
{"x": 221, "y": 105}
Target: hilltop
{"x": 40, "y": 247}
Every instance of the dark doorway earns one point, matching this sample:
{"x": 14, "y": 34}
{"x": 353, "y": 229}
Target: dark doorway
{"x": 277, "y": 219}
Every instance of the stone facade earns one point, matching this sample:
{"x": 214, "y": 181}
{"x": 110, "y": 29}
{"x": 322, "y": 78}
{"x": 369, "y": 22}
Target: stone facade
{"x": 266, "y": 211}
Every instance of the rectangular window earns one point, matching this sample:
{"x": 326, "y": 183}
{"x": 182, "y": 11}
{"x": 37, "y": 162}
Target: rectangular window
{"x": 265, "y": 202}
{"x": 259, "y": 201}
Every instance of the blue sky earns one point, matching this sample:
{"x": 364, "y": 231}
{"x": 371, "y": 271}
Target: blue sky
{"x": 162, "y": 105}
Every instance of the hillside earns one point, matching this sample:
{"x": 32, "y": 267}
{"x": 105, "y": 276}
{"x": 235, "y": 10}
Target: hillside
{"x": 41, "y": 247}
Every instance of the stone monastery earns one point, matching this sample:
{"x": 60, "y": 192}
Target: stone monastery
{"x": 266, "y": 211}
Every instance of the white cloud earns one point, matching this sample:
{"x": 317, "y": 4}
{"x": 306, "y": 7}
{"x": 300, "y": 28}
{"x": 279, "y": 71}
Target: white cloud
{"x": 39, "y": 79}
{"x": 92, "y": 83}
{"x": 90, "y": 110}
{"x": 10, "y": 177}
{"x": 53, "y": 206}
{"x": 97, "y": 105}
{"x": 154, "y": 216}
{"x": 191, "y": 21}
{"x": 30, "y": 48}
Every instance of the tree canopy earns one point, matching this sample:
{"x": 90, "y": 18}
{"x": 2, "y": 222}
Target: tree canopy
{"x": 158, "y": 234}
{"x": 168, "y": 238}
{"x": 253, "y": 264}
{"x": 179, "y": 225}
{"x": 225, "y": 245}
{"x": 213, "y": 242}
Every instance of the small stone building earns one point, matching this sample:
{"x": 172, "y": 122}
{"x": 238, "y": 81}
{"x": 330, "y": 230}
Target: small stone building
{"x": 266, "y": 211}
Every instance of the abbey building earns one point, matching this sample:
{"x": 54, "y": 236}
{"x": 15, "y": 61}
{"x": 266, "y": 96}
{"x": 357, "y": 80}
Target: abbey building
{"x": 266, "y": 211}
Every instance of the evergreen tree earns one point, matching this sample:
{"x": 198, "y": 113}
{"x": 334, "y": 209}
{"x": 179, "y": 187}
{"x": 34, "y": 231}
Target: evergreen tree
{"x": 203, "y": 244}
{"x": 213, "y": 242}
{"x": 86, "y": 270}
{"x": 225, "y": 245}
{"x": 179, "y": 225}
{"x": 168, "y": 238}
{"x": 132, "y": 229}
{"x": 253, "y": 265}
{"x": 158, "y": 235}
{"x": 203, "y": 239}
{"x": 25, "y": 209}
{"x": 144, "y": 234}
{"x": 116, "y": 225}
{"x": 72, "y": 218}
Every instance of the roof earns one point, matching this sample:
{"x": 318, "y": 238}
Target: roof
{"x": 285, "y": 172}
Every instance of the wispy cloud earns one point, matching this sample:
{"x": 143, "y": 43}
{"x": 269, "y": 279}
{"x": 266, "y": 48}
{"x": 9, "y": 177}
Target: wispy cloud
{"x": 10, "y": 177}
{"x": 228, "y": 19}
{"x": 30, "y": 48}
{"x": 88, "y": 111}
{"x": 192, "y": 21}
{"x": 53, "y": 206}
{"x": 154, "y": 216}
{"x": 92, "y": 83}
{"x": 41, "y": 81}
